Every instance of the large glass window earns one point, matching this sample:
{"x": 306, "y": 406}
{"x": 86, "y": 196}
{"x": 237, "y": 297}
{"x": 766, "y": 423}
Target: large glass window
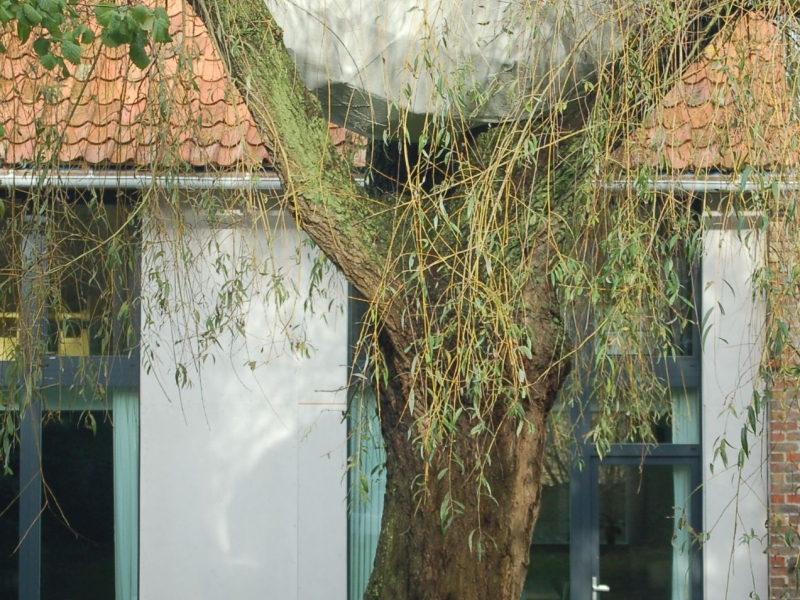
{"x": 69, "y": 375}
{"x": 367, "y": 488}
{"x": 644, "y": 546}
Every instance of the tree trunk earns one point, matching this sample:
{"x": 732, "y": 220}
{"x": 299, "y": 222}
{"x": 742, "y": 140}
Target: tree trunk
{"x": 484, "y": 552}
{"x": 448, "y": 534}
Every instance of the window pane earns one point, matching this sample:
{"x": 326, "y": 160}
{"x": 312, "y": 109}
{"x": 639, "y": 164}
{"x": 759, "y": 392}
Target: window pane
{"x": 10, "y": 271}
{"x": 9, "y": 528}
{"x": 366, "y": 490}
{"x": 78, "y": 506}
{"x": 669, "y": 326}
{"x": 676, "y": 422}
{"x": 90, "y": 260}
{"x": 645, "y": 549}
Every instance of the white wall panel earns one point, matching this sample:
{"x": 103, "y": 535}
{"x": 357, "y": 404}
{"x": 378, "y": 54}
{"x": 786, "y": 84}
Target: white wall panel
{"x": 322, "y": 572}
{"x": 735, "y": 500}
{"x": 242, "y": 491}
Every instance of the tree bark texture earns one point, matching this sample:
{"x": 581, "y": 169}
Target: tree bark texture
{"x": 484, "y": 551}
{"x": 450, "y": 530}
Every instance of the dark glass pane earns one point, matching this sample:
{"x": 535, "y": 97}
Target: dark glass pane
{"x": 668, "y": 327}
{"x": 683, "y": 318}
{"x": 677, "y": 421}
{"x": 640, "y": 508}
{"x": 78, "y": 514}
{"x": 10, "y": 271}
{"x": 9, "y": 528}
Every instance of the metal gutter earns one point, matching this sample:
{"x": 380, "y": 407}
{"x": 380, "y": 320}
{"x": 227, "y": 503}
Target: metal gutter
{"x": 89, "y": 179}
{"x": 268, "y": 181}
{"x": 711, "y": 184}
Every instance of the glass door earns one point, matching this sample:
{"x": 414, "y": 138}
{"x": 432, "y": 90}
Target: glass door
{"x": 642, "y": 533}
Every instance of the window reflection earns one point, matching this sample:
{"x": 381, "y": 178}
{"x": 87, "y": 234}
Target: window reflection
{"x": 9, "y": 527}
{"x": 549, "y": 569}
{"x": 85, "y": 250}
{"x": 676, "y": 421}
{"x": 645, "y": 550}
{"x": 77, "y": 546}
{"x": 10, "y": 261}
{"x": 88, "y": 289}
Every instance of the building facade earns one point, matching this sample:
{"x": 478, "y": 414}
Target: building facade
{"x": 157, "y": 481}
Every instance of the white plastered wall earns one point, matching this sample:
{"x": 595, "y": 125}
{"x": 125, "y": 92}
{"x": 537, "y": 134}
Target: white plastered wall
{"x": 734, "y": 499}
{"x": 242, "y": 473}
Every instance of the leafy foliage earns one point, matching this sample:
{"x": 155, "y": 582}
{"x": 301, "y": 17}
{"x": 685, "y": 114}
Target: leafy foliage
{"x": 133, "y": 26}
{"x": 61, "y": 29}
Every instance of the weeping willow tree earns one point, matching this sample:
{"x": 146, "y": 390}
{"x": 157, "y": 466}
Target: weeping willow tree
{"x": 491, "y": 256}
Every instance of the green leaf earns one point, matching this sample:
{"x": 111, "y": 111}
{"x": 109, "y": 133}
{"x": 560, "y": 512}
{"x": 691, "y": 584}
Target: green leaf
{"x": 110, "y": 38}
{"x": 23, "y": 31}
{"x": 41, "y": 46}
{"x": 140, "y": 13}
{"x": 139, "y": 55}
{"x": 5, "y": 15}
{"x": 49, "y": 62}
{"x": 33, "y": 15}
{"x": 53, "y": 28}
{"x": 71, "y": 52}
{"x": 161, "y": 26}
{"x": 87, "y": 36}
{"x": 106, "y": 12}
{"x": 50, "y": 7}
{"x": 143, "y": 16}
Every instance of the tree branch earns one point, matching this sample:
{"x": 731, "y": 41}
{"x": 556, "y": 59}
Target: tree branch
{"x": 352, "y": 229}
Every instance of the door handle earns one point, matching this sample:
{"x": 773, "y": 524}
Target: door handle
{"x": 598, "y": 587}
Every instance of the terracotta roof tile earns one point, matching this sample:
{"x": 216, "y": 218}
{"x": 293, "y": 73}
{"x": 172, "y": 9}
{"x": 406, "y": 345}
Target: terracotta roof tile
{"x": 730, "y": 108}
{"x": 105, "y": 109}
{"x": 110, "y": 112}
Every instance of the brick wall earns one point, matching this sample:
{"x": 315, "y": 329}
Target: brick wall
{"x": 784, "y": 463}
{"x": 784, "y": 417}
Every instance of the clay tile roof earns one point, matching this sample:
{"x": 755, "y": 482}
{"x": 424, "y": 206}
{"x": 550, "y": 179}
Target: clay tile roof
{"x": 730, "y": 109}
{"x": 110, "y": 112}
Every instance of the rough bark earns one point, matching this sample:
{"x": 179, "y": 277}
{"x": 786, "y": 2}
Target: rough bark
{"x": 327, "y": 202}
{"x": 484, "y": 552}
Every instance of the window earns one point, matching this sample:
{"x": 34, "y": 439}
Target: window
{"x": 366, "y": 477}
{"x": 69, "y": 369}
{"x": 626, "y": 519}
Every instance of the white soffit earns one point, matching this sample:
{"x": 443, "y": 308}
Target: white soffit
{"x": 480, "y": 61}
